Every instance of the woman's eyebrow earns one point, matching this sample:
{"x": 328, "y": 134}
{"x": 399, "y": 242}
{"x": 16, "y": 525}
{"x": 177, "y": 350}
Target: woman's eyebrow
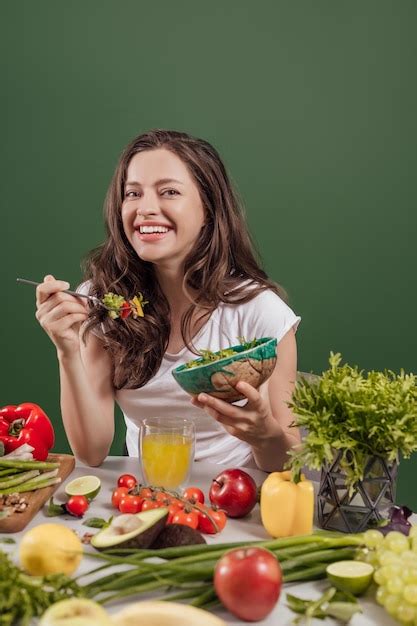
{"x": 161, "y": 181}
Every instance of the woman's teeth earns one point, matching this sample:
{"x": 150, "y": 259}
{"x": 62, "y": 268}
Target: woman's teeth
{"x": 153, "y": 229}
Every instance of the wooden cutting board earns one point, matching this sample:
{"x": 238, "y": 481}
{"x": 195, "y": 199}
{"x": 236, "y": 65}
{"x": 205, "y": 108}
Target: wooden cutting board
{"x": 36, "y": 499}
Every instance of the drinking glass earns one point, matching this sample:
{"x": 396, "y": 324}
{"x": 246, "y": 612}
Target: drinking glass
{"x": 166, "y": 446}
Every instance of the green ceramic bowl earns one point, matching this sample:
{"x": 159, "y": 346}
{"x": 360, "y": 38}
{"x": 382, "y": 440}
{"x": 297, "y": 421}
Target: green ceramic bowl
{"x": 218, "y": 378}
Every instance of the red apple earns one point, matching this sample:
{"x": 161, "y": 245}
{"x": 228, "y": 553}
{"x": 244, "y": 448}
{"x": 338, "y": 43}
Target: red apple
{"x": 234, "y": 491}
{"x": 248, "y": 582}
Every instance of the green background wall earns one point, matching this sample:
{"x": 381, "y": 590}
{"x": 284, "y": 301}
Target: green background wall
{"x": 313, "y": 107}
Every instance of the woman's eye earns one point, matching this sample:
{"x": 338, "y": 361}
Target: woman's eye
{"x": 131, "y": 194}
{"x": 170, "y": 192}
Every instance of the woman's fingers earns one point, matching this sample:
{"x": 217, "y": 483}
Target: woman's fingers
{"x": 216, "y": 404}
{"x": 47, "y": 315}
{"x": 49, "y": 286}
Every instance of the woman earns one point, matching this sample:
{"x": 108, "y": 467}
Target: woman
{"x": 175, "y": 233}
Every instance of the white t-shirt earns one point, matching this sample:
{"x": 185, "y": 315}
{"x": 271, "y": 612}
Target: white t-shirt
{"x": 266, "y": 315}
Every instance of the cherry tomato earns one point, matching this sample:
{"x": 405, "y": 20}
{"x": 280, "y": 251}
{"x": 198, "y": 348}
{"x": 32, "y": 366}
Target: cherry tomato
{"x": 149, "y": 503}
{"x": 173, "y": 509}
{"x": 77, "y": 505}
{"x": 127, "y": 480}
{"x": 130, "y": 504}
{"x": 206, "y": 525}
{"x": 179, "y": 503}
{"x": 194, "y": 494}
{"x": 163, "y": 498}
{"x": 146, "y": 492}
{"x": 125, "y": 310}
{"x": 186, "y": 518}
{"x": 117, "y": 495}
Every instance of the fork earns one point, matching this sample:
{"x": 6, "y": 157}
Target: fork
{"x": 94, "y": 299}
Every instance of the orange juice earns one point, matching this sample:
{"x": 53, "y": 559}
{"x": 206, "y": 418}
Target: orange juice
{"x": 166, "y": 459}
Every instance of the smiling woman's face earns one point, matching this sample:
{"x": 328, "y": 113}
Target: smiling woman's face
{"x": 162, "y": 212}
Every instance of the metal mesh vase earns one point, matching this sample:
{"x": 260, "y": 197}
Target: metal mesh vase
{"x": 369, "y": 502}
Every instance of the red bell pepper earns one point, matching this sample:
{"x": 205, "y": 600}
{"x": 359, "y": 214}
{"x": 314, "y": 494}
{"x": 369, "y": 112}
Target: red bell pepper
{"x": 26, "y": 423}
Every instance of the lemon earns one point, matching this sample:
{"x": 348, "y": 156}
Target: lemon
{"x": 351, "y": 576}
{"x": 87, "y": 486}
{"x": 50, "y": 549}
{"x": 75, "y": 612}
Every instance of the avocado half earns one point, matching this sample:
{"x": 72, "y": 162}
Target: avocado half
{"x": 131, "y": 530}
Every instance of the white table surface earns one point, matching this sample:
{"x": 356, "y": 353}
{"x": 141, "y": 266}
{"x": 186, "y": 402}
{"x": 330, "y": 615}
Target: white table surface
{"x": 249, "y": 528}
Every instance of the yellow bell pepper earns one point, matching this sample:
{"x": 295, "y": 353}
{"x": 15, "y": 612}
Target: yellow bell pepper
{"x": 287, "y": 508}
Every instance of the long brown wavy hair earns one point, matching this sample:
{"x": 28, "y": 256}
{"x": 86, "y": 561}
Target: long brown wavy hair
{"x": 222, "y": 266}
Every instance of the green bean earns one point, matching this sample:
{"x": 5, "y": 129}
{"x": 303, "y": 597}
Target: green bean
{"x": 20, "y": 478}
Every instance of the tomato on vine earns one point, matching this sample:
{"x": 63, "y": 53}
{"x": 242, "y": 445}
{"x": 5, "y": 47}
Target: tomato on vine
{"x": 150, "y": 503}
{"x": 194, "y": 495}
{"x": 173, "y": 509}
{"x": 127, "y": 480}
{"x": 205, "y": 523}
{"x": 163, "y": 498}
{"x": 130, "y": 504}
{"x": 117, "y": 494}
{"x": 186, "y": 518}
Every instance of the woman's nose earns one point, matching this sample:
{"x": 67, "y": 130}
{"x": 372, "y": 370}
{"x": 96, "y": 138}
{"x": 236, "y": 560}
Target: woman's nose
{"x": 146, "y": 209}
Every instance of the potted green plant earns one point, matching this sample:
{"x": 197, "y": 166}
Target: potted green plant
{"x": 357, "y": 425}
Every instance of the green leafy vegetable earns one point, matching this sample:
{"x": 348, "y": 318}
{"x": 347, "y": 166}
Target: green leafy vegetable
{"x": 23, "y": 597}
{"x": 121, "y": 307}
{"x": 7, "y": 540}
{"x": 207, "y": 356}
{"x": 356, "y": 413}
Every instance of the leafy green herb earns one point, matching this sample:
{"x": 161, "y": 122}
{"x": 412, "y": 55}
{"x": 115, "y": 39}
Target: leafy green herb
{"x": 55, "y": 509}
{"x": 23, "y": 597}
{"x": 356, "y": 413}
{"x": 97, "y": 522}
{"x": 7, "y": 540}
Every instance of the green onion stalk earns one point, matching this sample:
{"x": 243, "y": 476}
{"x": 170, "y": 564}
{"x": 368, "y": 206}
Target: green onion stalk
{"x": 186, "y": 572}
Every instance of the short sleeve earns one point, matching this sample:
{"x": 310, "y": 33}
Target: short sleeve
{"x": 85, "y": 289}
{"x": 267, "y": 315}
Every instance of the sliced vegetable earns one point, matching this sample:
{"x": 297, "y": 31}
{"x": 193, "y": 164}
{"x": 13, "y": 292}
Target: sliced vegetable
{"x": 331, "y": 603}
{"x": 120, "y": 307}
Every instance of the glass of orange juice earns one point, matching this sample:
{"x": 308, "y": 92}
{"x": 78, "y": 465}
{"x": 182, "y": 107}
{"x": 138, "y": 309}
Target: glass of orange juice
{"x": 166, "y": 446}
